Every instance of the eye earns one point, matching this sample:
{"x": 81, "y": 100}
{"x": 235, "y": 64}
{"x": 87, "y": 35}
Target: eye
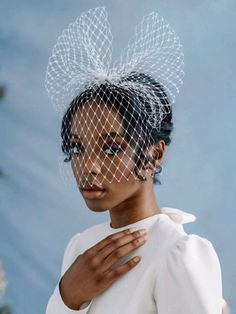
{"x": 113, "y": 148}
{"x": 75, "y": 149}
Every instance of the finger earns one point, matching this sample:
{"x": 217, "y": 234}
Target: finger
{"x": 120, "y": 252}
{"x": 113, "y": 275}
{"x": 119, "y": 242}
{"x": 103, "y": 243}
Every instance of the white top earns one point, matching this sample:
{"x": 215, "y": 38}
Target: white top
{"x": 178, "y": 273}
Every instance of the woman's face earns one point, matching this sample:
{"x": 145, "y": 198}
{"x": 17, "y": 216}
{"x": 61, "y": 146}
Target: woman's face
{"x": 101, "y": 159}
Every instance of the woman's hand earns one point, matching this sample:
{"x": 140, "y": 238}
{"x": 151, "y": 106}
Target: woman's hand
{"x": 91, "y": 272}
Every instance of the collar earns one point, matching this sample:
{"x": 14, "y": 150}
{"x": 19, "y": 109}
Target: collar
{"x": 175, "y": 214}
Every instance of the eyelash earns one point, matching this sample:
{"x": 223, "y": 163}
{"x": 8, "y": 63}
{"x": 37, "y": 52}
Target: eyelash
{"x": 74, "y": 145}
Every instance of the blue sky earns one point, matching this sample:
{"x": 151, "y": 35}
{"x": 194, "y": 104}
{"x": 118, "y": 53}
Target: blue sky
{"x": 38, "y": 211}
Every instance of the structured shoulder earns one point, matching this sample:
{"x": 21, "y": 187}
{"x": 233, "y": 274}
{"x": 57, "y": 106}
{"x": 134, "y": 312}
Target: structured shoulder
{"x": 190, "y": 276}
{"x": 190, "y": 244}
{"x": 70, "y": 252}
{"x": 191, "y": 253}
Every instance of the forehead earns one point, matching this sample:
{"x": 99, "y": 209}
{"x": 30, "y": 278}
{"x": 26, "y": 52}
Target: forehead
{"x": 96, "y": 116}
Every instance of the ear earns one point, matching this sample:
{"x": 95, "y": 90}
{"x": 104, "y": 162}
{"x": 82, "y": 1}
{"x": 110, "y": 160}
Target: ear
{"x": 156, "y": 153}
{"x": 161, "y": 150}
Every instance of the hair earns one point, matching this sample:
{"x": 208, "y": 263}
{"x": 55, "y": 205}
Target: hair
{"x": 133, "y": 116}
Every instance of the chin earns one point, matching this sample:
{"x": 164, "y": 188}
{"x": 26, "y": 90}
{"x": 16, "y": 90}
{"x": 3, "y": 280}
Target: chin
{"x": 95, "y": 207}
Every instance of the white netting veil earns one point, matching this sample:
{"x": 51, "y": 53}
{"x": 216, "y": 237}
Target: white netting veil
{"x": 119, "y": 107}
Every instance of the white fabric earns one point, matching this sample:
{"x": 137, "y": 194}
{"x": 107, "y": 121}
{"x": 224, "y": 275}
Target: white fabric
{"x": 179, "y": 273}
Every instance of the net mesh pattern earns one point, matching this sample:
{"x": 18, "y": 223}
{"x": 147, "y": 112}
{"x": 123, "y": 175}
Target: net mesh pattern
{"x": 117, "y": 106}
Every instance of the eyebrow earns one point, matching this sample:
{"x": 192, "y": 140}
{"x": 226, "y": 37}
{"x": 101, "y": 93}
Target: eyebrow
{"x": 103, "y": 135}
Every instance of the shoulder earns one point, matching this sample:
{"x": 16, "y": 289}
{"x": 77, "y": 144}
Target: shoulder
{"x": 189, "y": 271}
{"x": 70, "y": 251}
{"x": 192, "y": 254}
{"x": 78, "y": 243}
{"x": 192, "y": 243}
{"x": 199, "y": 247}
{"x": 191, "y": 246}
{"x": 84, "y": 235}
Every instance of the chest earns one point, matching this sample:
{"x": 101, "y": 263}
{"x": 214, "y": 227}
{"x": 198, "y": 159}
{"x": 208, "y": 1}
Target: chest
{"x": 131, "y": 293}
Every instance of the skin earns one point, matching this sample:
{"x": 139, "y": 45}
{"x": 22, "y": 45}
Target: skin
{"x": 93, "y": 271}
{"x": 128, "y": 201}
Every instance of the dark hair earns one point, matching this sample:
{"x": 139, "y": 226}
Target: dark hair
{"x": 134, "y": 117}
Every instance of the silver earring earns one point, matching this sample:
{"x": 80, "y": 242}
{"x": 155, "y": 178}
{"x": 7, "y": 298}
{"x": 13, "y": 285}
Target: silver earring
{"x": 157, "y": 171}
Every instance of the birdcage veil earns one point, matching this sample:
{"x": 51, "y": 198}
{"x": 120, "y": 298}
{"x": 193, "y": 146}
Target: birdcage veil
{"x": 94, "y": 96}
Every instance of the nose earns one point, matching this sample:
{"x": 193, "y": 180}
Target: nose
{"x": 91, "y": 164}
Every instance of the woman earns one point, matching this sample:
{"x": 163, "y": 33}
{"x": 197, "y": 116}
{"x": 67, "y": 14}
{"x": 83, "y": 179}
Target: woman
{"x": 114, "y": 134}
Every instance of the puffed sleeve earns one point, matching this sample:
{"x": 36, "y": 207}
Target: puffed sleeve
{"x": 189, "y": 279}
{"x": 55, "y": 304}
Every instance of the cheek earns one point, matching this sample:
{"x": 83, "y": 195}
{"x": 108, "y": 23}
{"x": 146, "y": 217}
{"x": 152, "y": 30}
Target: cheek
{"x": 118, "y": 192}
{"x": 74, "y": 167}
{"x": 123, "y": 180}
{"x": 116, "y": 170}
{"x": 123, "y": 193}
{"x": 121, "y": 169}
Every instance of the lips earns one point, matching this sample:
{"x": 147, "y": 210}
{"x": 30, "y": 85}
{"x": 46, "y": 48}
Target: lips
{"x": 93, "y": 192}
{"x": 93, "y": 187}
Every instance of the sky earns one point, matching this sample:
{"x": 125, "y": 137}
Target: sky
{"x": 39, "y": 211}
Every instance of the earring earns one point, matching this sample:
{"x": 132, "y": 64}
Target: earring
{"x": 157, "y": 171}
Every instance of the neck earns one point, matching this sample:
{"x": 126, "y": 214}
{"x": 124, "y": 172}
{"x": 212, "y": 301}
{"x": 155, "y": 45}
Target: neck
{"x": 140, "y": 205}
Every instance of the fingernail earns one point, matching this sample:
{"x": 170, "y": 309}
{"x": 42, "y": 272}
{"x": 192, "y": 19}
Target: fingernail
{"x": 143, "y": 231}
{"x": 133, "y": 229}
